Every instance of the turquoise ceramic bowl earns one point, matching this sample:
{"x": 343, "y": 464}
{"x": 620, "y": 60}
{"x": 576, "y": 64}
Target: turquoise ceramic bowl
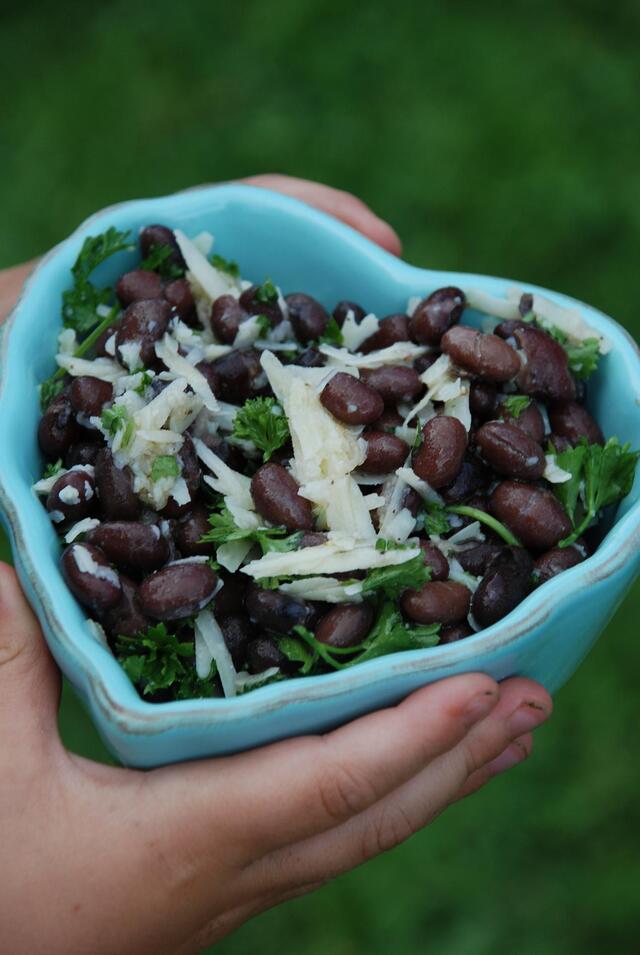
{"x": 545, "y": 638}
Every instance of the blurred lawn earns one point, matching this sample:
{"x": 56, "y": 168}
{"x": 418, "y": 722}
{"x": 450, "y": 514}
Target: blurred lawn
{"x": 497, "y": 138}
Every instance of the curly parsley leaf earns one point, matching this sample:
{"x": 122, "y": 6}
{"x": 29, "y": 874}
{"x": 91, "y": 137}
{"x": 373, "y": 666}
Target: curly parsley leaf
{"x": 80, "y": 303}
{"x": 332, "y": 334}
{"x": 262, "y": 421}
{"x": 264, "y": 325}
{"x": 583, "y": 357}
{"x": 393, "y": 581}
{"x": 599, "y": 476}
{"x": 115, "y": 419}
{"x": 435, "y": 519}
{"x": 225, "y": 529}
{"x": 157, "y": 660}
{"x": 145, "y": 381}
{"x": 516, "y": 404}
{"x": 50, "y": 389}
{"x": 52, "y": 469}
{"x": 226, "y": 265}
{"x": 391, "y": 634}
{"x": 266, "y": 293}
{"x": 296, "y": 652}
{"x": 165, "y": 466}
{"x": 158, "y": 261}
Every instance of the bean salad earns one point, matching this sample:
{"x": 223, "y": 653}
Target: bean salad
{"x": 248, "y": 487}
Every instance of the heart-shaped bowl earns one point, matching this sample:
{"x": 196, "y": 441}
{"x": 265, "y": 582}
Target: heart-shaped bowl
{"x": 544, "y": 638}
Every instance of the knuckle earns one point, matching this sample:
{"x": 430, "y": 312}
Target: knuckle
{"x": 389, "y": 828}
{"x": 344, "y": 792}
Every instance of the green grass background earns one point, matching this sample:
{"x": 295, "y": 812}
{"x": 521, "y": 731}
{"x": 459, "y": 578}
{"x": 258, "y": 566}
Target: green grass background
{"x": 500, "y": 138}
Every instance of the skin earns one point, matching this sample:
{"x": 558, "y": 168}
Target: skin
{"x": 101, "y": 859}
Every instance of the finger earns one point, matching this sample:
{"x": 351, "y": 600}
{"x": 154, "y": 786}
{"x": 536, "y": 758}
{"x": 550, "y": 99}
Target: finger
{"x": 291, "y": 790}
{"x": 29, "y": 679}
{"x": 413, "y": 805}
{"x": 343, "y": 205}
{"x": 515, "y": 753}
{"x": 11, "y": 281}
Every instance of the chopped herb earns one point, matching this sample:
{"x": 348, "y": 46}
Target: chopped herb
{"x": 487, "y": 519}
{"x": 599, "y": 476}
{"x": 297, "y": 652}
{"x": 583, "y": 357}
{"x": 157, "y": 660}
{"x": 51, "y": 388}
{"x": 273, "y": 583}
{"x": 226, "y": 265}
{"x": 516, "y": 404}
{"x": 80, "y": 303}
{"x": 390, "y": 634}
{"x": 158, "y": 261}
{"x": 145, "y": 381}
{"x": 264, "y": 325}
{"x": 436, "y": 521}
{"x": 419, "y": 438}
{"x": 332, "y": 335}
{"x": 384, "y": 545}
{"x": 165, "y": 466}
{"x": 266, "y": 293}
{"x": 393, "y": 581}
{"x": 262, "y": 421}
{"x": 52, "y": 469}
{"x": 115, "y": 419}
{"x": 224, "y": 529}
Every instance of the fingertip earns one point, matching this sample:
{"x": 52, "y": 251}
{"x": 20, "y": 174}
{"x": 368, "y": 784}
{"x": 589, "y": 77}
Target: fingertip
{"x": 387, "y": 237}
{"x": 467, "y": 697}
{"x": 523, "y": 691}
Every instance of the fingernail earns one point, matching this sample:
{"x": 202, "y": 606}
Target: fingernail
{"x": 526, "y": 718}
{"x": 479, "y": 706}
{"x": 515, "y": 753}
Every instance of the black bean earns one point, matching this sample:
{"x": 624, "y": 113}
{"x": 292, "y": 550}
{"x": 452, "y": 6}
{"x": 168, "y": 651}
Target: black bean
{"x": 231, "y": 596}
{"x": 556, "y": 560}
{"x": 394, "y": 382}
{"x": 177, "y": 591}
{"x": 392, "y": 329}
{"x": 475, "y": 560}
{"x": 276, "y": 497}
{"x": 83, "y": 452}
{"x": 159, "y": 236}
{"x": 131, "y": 545}
{"x": 482, "y": 399}
{"x": 510, "y": 451}
{"x": 238, "y": 375}
{"x": 226, "y": 317}
{"x": 422, "y": 362}
{"x": 351, "y": 400}
{"x": 474, "y": 476}
{"x": 238, "y": 632}
{"x": 189, "y": 531}
{"x": 125, "y": 617}
{"x": 307, "y": 316}
{"x": 90, "y": 578}
{"x": 139, "y": 284}
{"x": 58, "y": 428}
{"x": 276, "y": 611}
{"x": 572, "y": 421}
{"x": 506, "y": 583}
{"x": 345, "y": 625}
{"x": 437, "y": 602}
{"x": 435, "y": 559}
{"x": 264, "y": 653}
{"x": 343, "y": 308}
{"x": 388, "y": 420}
{"x": 533, "y": 513}
{"x": 412, "y": 501}
{"x": 72, "y": 497}
{"x": 435, "y": 314}
{"x": 530, "y": 421}
{"x": 385, "y": 452}
{"x": 251, "y": 302}
{"x": 180, "y": 297}
{"x": 118, "y": 500}
{"x": 439, "y": 458}
{"x": 454, "y": 632}
{"x": 142, "y": 325}
{"x": 486, "y": 356}
{"x": 545, "y": 373}
{"x": 311, "y": 358}
{"x": 88, "y": 395}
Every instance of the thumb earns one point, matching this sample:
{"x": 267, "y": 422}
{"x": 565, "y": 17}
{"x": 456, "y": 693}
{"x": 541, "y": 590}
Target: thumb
{"x": 29, "y": 679}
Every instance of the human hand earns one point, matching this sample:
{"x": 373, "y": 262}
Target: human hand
{"x": 101, "y": 859}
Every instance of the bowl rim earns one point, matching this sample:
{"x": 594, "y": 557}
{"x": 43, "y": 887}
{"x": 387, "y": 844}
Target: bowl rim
{"x": 132, "y": 714}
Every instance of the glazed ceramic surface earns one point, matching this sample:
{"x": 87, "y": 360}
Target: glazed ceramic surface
{"x": 544, "y": 638}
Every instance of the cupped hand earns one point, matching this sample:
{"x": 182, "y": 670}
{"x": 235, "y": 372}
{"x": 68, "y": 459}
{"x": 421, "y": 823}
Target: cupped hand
{"x": 101, "y": 859}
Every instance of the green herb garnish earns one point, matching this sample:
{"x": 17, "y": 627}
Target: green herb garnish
{"x": 115, "y": 419}
{"x": 145, "y": 381}
{"x": 165, "y": 466}
{"x": 332, "y": 334}
{"x": 157, "y": 660}
{"x": 158, "y": 261}
{"x": 393, "y": 581}
{"x": 262, "y": 421}
{"x": 226, "y": 265}
{"x": 487, "y": 519}
{"x": 436, "y": 521}
{"x": 80, "y": 303}
{"x": 599, "y": 476}
{"x": 582, "y": 357}
{"x": 52, "y": 469}
{"x": 266, "y": 293}
{"x": 516, "y": 404}
{"x": 224, "y": 529}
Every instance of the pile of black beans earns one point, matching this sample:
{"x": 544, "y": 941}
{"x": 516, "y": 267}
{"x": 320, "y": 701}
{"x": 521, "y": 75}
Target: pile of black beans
{"x": 496, "y": 467}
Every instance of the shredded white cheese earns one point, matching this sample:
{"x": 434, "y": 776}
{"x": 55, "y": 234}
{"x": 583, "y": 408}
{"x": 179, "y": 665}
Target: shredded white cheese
{"x": 333, "y": 557}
